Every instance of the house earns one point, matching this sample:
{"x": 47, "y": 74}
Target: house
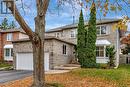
{"x": 105, "y": 36}
{"x": 57, "y": 52}
{"x": 6, "y": 38}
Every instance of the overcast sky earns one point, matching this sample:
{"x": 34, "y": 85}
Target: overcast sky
{"x": 56, "y": 17}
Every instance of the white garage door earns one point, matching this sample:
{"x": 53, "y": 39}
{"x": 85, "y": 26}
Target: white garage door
{"x": 24, "y": 61}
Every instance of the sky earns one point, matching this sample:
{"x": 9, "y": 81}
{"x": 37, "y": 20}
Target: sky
{"x": 55, "y": 16}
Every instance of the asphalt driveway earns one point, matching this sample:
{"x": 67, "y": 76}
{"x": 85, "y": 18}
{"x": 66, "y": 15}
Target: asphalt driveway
{"x": 6, "y": 76}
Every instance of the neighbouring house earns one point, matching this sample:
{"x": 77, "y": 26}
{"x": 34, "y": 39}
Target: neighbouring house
{"x": 6, "y": 38}
{"x": 57, "y": 52}
{"x": 125, "y": 49}
{"x": 106, "y": 35}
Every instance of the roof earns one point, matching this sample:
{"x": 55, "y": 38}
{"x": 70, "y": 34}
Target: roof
{"x": 46, "y": 38}
{"x": 12, "y": 30}
{"x": 102, "y": 21}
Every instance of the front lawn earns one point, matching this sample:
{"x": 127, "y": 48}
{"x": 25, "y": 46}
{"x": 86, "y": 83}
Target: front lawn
{"x": 83, "y": 78}
{"x": 4, "y": 64}
{"x": 121, "y": 75}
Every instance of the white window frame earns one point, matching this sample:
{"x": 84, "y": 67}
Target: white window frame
{"x": 9, "y": 36}
{"x": 101, "y": 50}
{"x": 57, "y": 34}
{"x": 73, "y": 34}
{"x": 100, "y": 30}
{"x": 10, "y": 52}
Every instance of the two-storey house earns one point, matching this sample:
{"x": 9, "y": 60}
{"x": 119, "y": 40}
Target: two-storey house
{"x": 6, "y": 38}
{"x": 106, "y": 35}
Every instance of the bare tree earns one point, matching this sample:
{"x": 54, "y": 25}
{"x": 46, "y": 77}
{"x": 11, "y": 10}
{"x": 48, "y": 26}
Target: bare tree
{"x": 37, "y": 37}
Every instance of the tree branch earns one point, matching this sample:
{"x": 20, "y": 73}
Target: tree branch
{"x": 21, "y": 21}
{"x": 45, "y": 7}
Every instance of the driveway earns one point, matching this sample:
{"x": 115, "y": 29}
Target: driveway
{"x": 6, "y": 76}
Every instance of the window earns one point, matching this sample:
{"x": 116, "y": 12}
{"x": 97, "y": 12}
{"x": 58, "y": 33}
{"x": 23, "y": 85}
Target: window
{"x": 57, "y": 35}
{"x": 9, "y": 36}
{"x": 101, "y": 30}
{"x": 64, "y": 49}
{"x": 73, "y": 34}
{"x": 8, "y": 52}
{"x": 100, "y": 51}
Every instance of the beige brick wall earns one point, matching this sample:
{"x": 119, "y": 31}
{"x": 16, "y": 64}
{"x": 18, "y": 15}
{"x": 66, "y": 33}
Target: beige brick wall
{"x": 61, "y": 58}
{"x": 65, "y": 35}
{"x": 111, "y": 36}
{"x": 54, "y": 47}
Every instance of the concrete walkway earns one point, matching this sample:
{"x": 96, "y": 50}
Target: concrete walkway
{"x": 56, "y": 71}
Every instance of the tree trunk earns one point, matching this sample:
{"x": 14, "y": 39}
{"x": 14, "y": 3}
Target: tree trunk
{"x": 38, "y": 52}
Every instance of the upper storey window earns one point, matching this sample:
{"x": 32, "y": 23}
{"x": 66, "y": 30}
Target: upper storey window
{"x": 73, "y": 34}
{"x": 9, "y": 37}
{"x": 101, "y": 30}
{"x": 57, "y": 35}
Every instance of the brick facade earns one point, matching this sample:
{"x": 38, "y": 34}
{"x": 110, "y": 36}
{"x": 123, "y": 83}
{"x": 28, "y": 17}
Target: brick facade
{"x": 112, "y": 35}
{"x": 53, "y": 46}
{"x": 3, "y": 39}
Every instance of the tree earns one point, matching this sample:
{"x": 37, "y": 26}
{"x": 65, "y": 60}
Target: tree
{"x": 91, "y": 35}
{"x": 126, "y": 41}
{"x": 37, "y": 37}
{"x": 4, "y": 25}
{"x": 110, "y": 51}
{"x": 12, "y": 25}
{"x": 81, "y": 39}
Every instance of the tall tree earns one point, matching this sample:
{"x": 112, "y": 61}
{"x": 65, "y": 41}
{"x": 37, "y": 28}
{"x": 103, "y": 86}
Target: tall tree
{"x": 4, "y": 25}
{"x": 81, "y": 39}
{"x": 91, "y": 35}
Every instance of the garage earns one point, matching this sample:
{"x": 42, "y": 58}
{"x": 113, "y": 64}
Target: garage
{"x": 24, "y": 61}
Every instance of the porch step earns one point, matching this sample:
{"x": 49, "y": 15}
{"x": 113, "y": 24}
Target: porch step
{"x": 66, "y": 67}
{"x": 72, "y": 65}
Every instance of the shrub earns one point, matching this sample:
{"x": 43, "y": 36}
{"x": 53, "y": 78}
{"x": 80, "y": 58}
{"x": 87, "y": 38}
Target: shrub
{"x": 103, "y": 66}
{"x": 110, "y": 51}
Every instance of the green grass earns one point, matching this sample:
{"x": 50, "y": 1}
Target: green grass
{"x": 120, "y": 75}
{"x": 4, "y": 65}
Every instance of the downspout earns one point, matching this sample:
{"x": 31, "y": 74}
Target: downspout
{"x": 117, "y": 48}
